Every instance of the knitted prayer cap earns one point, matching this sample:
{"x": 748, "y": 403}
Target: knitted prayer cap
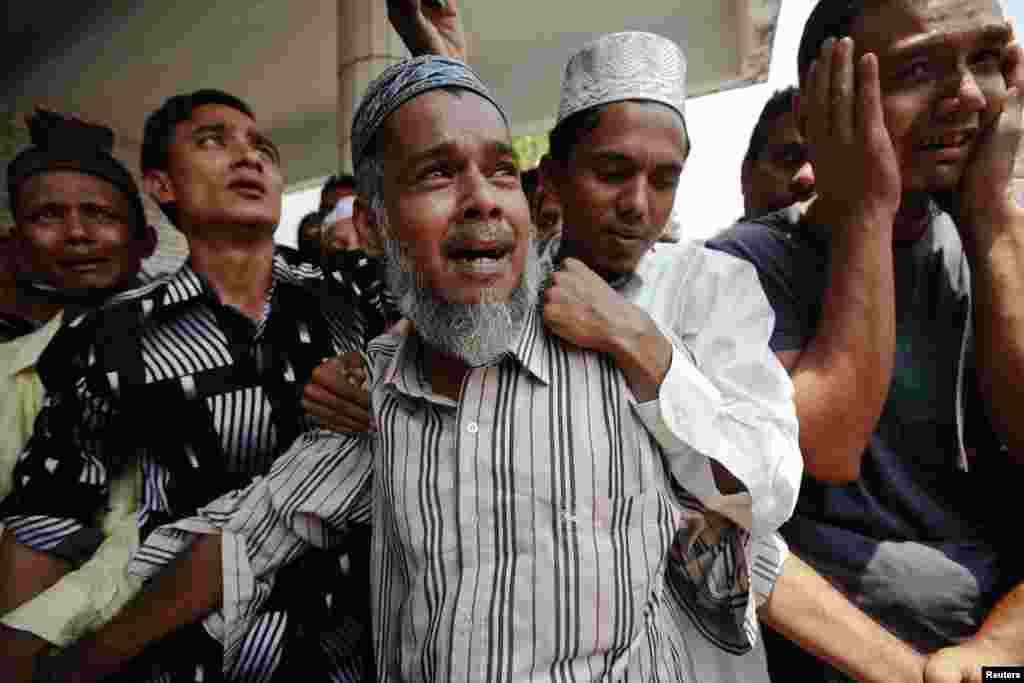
{"x": 402, "y": 82}
{"x": 60, "y": 143}
{"x": 624, "y": 66}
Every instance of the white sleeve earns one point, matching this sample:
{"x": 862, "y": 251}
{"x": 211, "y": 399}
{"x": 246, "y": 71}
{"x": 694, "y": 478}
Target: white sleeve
{"x": 725, "y": 397}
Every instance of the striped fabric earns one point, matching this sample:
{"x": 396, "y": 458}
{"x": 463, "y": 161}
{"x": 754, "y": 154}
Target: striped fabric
{"x": 360, "y": 276}
{"x": 202, "y": 396}
{"x": 521, "y": 533}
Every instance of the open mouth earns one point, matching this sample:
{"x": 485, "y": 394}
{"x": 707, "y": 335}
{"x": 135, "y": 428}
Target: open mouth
{"x": 481, "y": 258}
{"x": 248, "y": 188}
{"x": 470, "y": 254}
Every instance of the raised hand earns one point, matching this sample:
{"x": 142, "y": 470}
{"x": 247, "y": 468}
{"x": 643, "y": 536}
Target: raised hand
{"x": 430, "y": 27}
{"x": 857, "y": 173}
{"x": 985, "y": 195}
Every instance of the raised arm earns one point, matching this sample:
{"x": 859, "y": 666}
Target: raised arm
{"x": 430, "y": 27}
{"x": 991, "y": 225}
{"x": 842, "y": 375}
{"x": 709, "y": 388}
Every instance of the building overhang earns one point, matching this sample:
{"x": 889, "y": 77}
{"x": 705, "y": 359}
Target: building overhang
{"x": 117, "y": 62}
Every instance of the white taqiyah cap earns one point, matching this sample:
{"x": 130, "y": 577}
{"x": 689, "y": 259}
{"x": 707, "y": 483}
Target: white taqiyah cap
{"x": 624, "y": 66}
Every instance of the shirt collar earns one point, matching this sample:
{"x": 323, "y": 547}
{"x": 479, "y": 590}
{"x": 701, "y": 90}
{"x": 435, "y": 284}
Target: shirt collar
{"x": 187, "y": 285}
{"x": 403, "y": 354}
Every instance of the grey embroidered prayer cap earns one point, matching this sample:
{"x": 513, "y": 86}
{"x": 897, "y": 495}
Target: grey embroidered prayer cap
{"x": 400, "y": 83}
{"x": 624, "y": 66}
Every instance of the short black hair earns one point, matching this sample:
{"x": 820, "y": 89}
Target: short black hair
{"x": 828, "y": 19}
{"x": 570, "y": 131}
{"x": 345, "y": 180}
{"x": 304, "y": 246}
{"x": 778, "y": 104}
{"x": 159, "y": 129}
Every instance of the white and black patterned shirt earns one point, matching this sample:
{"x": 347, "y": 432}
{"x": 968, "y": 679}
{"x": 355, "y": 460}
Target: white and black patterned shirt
{"x": 204, "y": 397}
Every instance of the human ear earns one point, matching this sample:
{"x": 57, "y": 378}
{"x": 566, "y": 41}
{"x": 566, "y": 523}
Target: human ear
{"x": 367, "y": 227}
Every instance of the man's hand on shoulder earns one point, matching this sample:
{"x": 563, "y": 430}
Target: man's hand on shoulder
{"x": 336, "y": 395}
{"x": 581, "y": 308}
{"x": 430, "y": 27}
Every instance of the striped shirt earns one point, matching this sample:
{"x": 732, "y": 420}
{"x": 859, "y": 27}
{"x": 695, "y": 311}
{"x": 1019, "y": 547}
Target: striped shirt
{"x": 520, "y": 533}
{"x": 166, "y": 375}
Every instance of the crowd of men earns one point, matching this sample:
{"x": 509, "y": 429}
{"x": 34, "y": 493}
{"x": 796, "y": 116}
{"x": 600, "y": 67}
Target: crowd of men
{"x": 483, "y": 425}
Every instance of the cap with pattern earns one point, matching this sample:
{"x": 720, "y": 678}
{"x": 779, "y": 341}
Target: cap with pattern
{"x": 624, "y": 66}
{"x": 400, "y": 83}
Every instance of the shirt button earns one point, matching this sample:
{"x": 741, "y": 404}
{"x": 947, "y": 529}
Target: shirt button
{"x": 472, "y": 428}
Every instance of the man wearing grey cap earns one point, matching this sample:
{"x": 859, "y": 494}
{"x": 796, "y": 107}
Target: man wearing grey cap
{"x": 622, "y": 107}
{"x": 522, "y": 515}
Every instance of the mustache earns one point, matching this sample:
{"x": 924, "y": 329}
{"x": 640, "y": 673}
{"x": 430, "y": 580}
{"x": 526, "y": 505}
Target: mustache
{"x": 463, "y": 234}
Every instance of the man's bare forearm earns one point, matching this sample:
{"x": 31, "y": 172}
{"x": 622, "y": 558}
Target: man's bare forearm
{"x": 842, "y": 376}
{"x": 25, "y": 572}
{"x": 185, "y": 593}
{"x": 1003, "y": 629}
{"x": 809, "y": 611}
{"x": 997, "y": 267}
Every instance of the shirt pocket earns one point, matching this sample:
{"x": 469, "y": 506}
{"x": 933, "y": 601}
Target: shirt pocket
{"x": 599, "y": 564}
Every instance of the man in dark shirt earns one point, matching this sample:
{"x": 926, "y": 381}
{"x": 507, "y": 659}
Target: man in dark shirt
{"x": 912, "y": 117}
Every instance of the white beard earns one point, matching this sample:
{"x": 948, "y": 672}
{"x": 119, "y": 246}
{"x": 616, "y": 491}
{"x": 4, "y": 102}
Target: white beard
{"x": 477, "y": 333}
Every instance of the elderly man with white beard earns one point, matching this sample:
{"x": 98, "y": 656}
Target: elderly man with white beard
{"x": 522, "y": 515}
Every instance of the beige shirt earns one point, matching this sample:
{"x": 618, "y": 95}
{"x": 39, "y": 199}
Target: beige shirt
{"x": 89, "y": 596}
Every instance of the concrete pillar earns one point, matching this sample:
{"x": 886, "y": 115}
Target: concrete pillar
{"x": 366, "y": 46}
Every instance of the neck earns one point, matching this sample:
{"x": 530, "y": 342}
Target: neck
{"x": 567, "y": 248}
{"x": 37, "y": 301}
{"x": 445, "y": 373}
{"x": 239, "y": 271}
